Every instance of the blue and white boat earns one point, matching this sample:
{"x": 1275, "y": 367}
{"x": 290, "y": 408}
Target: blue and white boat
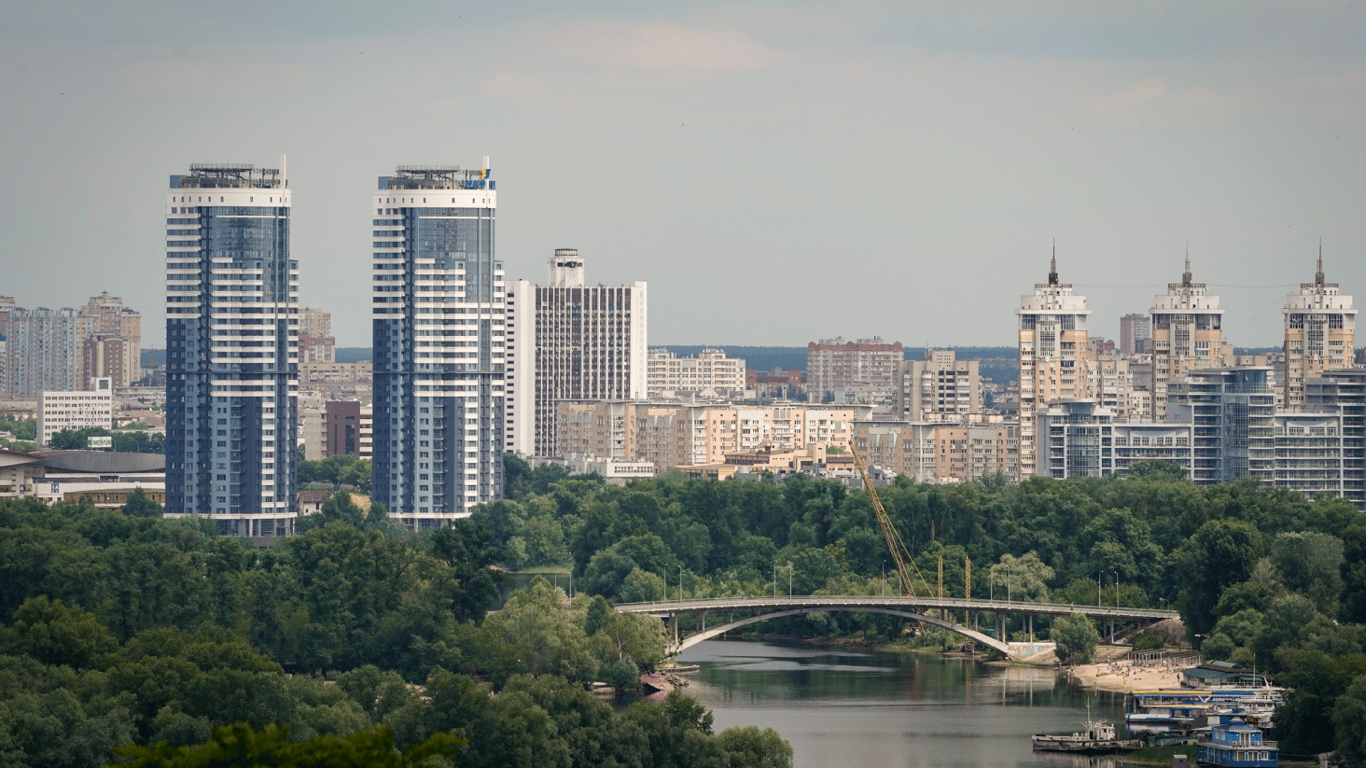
{"x": 1235, "y": 744}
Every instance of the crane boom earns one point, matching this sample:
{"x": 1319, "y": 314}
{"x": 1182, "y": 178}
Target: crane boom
{"x": 893, "y": 539}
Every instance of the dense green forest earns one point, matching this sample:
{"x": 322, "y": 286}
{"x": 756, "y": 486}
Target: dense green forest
{"x": 129, "y": 629}
{"x": 121, "y": 627}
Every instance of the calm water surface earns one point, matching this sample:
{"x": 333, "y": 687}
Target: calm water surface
{"x": 841, "y": 707}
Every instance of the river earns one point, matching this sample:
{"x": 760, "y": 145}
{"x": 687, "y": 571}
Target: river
{"x": 844, "y": 707}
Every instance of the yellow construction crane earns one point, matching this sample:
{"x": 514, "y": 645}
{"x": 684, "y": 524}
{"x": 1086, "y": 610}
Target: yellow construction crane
{"x": 900, "y": 554}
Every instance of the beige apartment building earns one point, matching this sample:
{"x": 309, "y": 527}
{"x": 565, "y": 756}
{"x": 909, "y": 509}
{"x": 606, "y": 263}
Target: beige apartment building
{"x": 1112, "y": 385}
{"x": 1320, "y": 334}
{"x": 938, "y": 388}
{"x": 1187, "y": 335}
{"x": 671, "y": 435}
{"x": 709, "y": 374}
{"x": 938, "y": 452}
{"x": 1054, "y": 355}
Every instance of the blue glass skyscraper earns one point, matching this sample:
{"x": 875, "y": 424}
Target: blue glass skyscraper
{"x": 438, "y": 309}
{"x": 231, "y": 348}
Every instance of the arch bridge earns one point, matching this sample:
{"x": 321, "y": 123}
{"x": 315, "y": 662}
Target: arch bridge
{"x": 915, "y": 608}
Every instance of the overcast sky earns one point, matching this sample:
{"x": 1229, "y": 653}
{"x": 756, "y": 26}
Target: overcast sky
{"x": 778, "y": 172}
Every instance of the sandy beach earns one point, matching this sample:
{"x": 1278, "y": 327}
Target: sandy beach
{"x": 1112, "y": 672}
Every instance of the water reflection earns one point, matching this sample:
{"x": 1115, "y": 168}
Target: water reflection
{"x": 842, "y": 707}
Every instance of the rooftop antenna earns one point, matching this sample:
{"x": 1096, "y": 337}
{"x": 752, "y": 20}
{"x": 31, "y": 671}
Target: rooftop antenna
{"x": 1053, "y": 265}
{"x": 1186, "y": 276}
{"x": 1318, "y": 276}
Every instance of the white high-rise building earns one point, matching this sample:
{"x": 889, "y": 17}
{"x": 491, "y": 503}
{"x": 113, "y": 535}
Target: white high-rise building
{"x": 570, "y": 342}
{"x": 1320, "y": 334}
{"x": 232, "y": 302}
{"x": 1054, "y": 356}
{"x": 1187, "y": 335}
{"x": 438, "y": 309}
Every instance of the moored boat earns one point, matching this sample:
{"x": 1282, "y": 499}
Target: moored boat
{"x": 1096, "y": 737}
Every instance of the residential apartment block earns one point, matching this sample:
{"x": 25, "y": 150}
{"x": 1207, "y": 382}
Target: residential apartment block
{"x": 937, "y": 452}
{"x": 1134, "y": 330}
{"x": 1320, "y": 334}
{"x": 709, "y": 374}
{"x": 111, "y": 345}
{"x": 1080, "y": 438}
{"x": 1187, "y": 335}
{"x": 64, "y": 349}
{"x": 863, "y": 371}
{"x": 439, "y": 322}
{"x": 1232, "y": 411}
{"x": 1341, "y": 395}
{"x": 316, "y": 343}
{"x": 938, "y": 388}
{"x": 570, "y": 342}
{"x": 1053, "y": 353}
{"x": 232, "y": 294}
{"x": 674, "y": 435}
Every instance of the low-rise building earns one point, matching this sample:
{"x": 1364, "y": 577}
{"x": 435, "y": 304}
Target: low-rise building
{"x": 60, "y": 411}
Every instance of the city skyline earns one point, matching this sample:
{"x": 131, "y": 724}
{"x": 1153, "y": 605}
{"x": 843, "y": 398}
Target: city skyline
{"x": 876, "y": 161}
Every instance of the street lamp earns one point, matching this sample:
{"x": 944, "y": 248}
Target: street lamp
{"x": 1116, "y": 589}
{"x": 789, "y": 579}
{"x": 775, "y": 579}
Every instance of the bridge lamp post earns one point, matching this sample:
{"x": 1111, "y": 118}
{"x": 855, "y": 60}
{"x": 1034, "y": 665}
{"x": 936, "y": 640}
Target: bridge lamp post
{"x": 789, "y": 579}
{"x": 775, "y": 579}
{"x": 1116, "y": 589}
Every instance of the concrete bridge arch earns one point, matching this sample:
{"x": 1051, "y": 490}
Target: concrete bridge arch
{"x": 710, "y": 632}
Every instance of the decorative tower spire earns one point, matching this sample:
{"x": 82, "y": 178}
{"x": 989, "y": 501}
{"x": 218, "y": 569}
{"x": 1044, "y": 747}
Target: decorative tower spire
{"x": 1318, "y": 276}
{"x": 1053, "y": 265}
{"x": 1186, "y": 276}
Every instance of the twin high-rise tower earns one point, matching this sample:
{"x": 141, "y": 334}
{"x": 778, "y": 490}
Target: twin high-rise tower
{"x": 232, "y": 314}
{"x": 231, "y": 348}
{"x": 439, "y": 355}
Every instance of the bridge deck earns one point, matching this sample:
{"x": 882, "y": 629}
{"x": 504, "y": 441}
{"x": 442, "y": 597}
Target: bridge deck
{"x": 915, "y": 604}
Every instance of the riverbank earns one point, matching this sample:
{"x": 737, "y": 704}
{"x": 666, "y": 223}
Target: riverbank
{"x": 1112, "y": 671}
